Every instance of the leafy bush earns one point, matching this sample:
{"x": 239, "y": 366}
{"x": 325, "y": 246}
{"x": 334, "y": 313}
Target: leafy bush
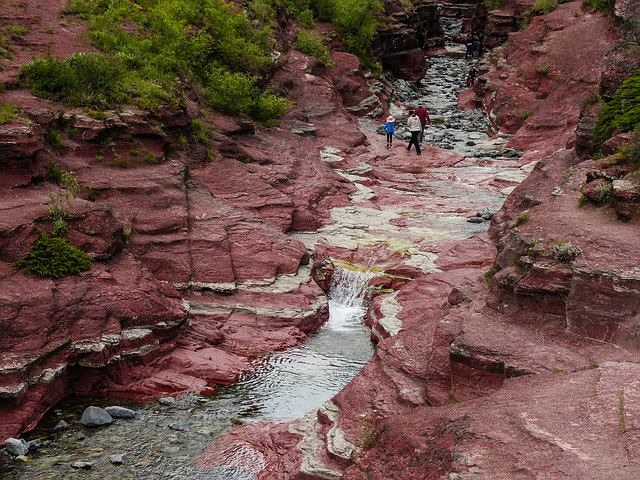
{"x": 621, "y": 113}
{"x": 494, "y": 4}
{"x": 565, "y": 252}
{"x": 355, "y": 21}
{"x": 313, "y": 45}
{"x": 236, "y": 92}
{"x": 596, "y": 5}
{"x": 53, "y": 257}
{"x": 604, "y": 192}
{"x": 90, "y": 80}
{"x": 544, "y": 6}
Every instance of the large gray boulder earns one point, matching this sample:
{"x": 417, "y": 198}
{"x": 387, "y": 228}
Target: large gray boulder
{"x": 16, "y": 446}
{"x": 95, "y": 417}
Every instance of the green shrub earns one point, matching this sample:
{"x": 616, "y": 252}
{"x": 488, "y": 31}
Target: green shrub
{"x": 17, "y": 32}
{"x": 526, "y": 114}
{"x": 544, "y": 6}
{"x": 596, "y": 5}
{"x": 53, "y": 257}
{"x": 54, "y": 138}
{"x": 313, "y": 45}
{"x": 354, "y": 20}
{"x": 494, "y": 4}
{"x": 91, "y": 80}
{"x": 621, "y": 113}
{"x": 604, "y": 192}
{"x": 565, "y": 252}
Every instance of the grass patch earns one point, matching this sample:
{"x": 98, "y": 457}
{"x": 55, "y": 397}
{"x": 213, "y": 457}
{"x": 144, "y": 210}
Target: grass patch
{"x": 488, "y": 276}
{"x": 543, "y": 70}
{"x": 520, "y": 220}
{"x": 7, "y": 113}
{"x": 526, "y": 114}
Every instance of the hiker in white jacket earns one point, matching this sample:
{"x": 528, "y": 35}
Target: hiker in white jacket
{"x": 415, "y": 127}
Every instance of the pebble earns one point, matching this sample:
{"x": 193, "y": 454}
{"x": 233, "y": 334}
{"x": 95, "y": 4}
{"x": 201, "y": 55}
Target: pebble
{"x": 62, "y": 425}
{"x": 167, "y": 401}
{"x": 83, "y": 465}
{"x": 116, "y": 459}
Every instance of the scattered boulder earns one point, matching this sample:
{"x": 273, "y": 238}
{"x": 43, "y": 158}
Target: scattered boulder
{"x": 120, "y": 412}
{"x": 16, "y": 446}
{"x": 35, "y": 444}
{"x": 96, "y": 417}
{"x": 116, "y": 459}
{"x": 61, "y": 425}
{"x": 82, "y": 465}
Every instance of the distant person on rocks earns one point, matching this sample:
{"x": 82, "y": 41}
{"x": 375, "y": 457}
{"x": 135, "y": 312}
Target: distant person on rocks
{"x": 469, "y": 52}
{"x": 471, "y": 77}
{"x": 414, "y": 127}
{"x": 390, "y": 127}
{"x": 480, "y": 43}
{"x": 422, "y": 114}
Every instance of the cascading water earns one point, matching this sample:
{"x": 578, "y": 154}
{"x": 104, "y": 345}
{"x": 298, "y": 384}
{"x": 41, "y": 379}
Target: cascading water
{"x": 288, "y": 384}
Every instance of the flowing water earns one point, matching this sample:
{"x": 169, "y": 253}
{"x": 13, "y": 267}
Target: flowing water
{"x": 288, "y": 384}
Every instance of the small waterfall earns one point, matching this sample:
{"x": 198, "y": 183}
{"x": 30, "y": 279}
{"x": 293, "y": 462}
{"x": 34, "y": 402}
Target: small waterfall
{"x": 348, "y": 297}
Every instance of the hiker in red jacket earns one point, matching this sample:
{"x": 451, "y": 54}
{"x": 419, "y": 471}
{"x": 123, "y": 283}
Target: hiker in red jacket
{"x": 422, "y": 114}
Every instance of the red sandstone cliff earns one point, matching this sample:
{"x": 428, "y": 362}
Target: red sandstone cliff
{"x": 524, "y": 377}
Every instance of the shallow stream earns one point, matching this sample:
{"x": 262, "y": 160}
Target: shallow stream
{"x": 162, "y": 440}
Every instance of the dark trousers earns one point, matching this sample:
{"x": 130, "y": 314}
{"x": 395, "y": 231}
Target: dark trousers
{"x": 414, "y": 141}
{"x": 469, "y": 52}
{"x": 389, "y": 138}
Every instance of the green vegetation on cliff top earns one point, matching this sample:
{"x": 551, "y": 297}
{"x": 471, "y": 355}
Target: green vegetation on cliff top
{"x": 147, "y": 48}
